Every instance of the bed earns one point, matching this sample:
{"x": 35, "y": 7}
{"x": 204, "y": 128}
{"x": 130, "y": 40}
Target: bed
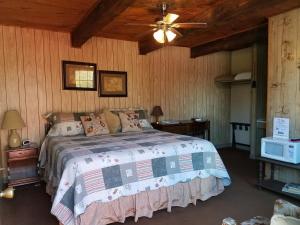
{"x": 104, "y": 179}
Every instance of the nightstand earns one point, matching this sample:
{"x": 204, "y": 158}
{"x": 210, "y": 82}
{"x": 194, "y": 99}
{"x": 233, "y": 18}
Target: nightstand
{"x": 186, "y": 127}
{"x": 22, "y": 165}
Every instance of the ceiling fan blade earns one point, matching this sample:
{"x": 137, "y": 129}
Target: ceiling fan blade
{"x": 189, "y": 25}
{"x": 170, "y": 18}
{"x": 176, "y": 32}
{"x": 142, "y": 24}
{"x": 142, "y": 35}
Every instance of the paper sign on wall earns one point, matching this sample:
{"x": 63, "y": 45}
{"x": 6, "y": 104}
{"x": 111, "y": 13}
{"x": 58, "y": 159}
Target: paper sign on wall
{"x": 281, "y": 128}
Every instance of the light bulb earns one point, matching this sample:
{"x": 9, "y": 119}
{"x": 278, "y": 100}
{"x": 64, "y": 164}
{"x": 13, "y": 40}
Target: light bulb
{"x": 159, "y": 36}
{"x": 170, "y": 35}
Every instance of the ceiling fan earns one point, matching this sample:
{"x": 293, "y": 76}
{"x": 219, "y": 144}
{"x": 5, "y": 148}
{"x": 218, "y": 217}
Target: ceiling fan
{"x": 165, "y": 29}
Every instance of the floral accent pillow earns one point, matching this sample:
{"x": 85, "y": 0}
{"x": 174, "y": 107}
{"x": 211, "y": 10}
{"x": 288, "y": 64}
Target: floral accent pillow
{"x": 130, "y": 121}
{"x": 66, "y": 129}
{"x": 94, "y": 124}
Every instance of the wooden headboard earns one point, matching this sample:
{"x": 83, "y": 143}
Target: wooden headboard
{"x": 47, "y": 127}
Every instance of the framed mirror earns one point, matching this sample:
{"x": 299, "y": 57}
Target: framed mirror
{"x": 79, "y": 76}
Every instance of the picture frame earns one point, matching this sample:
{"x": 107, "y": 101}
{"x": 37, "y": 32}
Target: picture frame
{"x": 112, "y": 83}
{"x": 80, "y": 76}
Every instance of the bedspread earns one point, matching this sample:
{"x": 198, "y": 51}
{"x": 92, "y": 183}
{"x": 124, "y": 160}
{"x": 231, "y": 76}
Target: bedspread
{"x": 84, "y": 170}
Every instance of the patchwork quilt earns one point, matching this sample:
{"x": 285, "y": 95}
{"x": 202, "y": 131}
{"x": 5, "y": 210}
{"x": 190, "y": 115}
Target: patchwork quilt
{"x": 83, "y": 170}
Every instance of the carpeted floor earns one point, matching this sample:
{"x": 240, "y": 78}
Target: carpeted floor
{"x": 242, "y": 200}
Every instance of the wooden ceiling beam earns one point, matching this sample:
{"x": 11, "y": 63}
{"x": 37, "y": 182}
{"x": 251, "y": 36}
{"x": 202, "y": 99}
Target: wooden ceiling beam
{"x": 234, "y": 42}
{"x": 97, "y": 19}
{"x": 227, "y": 18}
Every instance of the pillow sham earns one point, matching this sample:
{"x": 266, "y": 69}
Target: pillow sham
{"x": 60, "y": 117}
{"x": 143, "y": 113}
{"x": 113, "y": 121}
{"x": 130, "y": 121}
{"x": 66, "y": 129}
{"x": 94, "y": 124}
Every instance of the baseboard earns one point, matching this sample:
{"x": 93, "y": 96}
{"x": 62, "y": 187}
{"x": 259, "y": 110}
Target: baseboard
{"x": 227, "y": 145}
{"x": 243, "y": 147}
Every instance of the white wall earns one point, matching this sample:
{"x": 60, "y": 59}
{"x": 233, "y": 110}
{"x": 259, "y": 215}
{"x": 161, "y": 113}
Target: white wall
{"x": 240, "y": 110}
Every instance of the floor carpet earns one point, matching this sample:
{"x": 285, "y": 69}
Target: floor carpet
{"x": 241, "y": 200}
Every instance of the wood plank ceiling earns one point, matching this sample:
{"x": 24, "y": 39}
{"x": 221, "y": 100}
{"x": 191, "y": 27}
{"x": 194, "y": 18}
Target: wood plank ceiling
{"x": 107, "y": 18}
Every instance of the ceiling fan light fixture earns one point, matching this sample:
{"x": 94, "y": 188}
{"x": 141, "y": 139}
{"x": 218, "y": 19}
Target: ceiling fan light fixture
{"x": 170, "y": 35}
{"x": 159, "y": 36}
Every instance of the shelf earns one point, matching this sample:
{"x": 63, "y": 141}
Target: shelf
{"x": 280, "y": 163}
{"x": 276, "y": 186}
{"x": 24, "y": 181}
{"x": 229, "y": 79}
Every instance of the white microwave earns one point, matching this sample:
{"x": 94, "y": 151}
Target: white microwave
{"x": 280, "y": 149}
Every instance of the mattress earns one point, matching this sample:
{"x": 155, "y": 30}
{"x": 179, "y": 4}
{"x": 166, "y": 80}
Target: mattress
{"x": 81, "y": 171}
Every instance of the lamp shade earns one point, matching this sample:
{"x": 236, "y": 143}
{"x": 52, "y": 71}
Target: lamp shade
{"x": 157, "y": 111}
{"x": 159, "y": 36}
{"x": 12, "y": 120}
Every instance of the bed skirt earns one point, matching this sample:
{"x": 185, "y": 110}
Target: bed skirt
{"x": 145, "y": 203}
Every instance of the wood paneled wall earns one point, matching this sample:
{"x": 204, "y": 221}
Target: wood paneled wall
{"x": 30, "y": 80}
{"x": 284, "y": 76}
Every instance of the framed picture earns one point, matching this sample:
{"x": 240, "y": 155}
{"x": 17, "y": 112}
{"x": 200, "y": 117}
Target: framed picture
{"x": 79, "y": 76}
{"x": 112, "y": 84}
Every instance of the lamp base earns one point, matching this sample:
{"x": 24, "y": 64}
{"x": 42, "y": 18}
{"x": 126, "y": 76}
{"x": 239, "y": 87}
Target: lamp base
{"x": 157, "y": 119}
{"x": 14, "y": 139}
{"x": 7, "y": 193}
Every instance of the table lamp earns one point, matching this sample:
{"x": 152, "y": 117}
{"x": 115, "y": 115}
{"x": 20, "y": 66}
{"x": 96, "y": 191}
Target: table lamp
{"x": 7, "y": 193}
{"x": 13, "y": 121}
{"x": 157, "y": 112}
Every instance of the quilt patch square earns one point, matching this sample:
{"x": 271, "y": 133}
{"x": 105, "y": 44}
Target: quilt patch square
{"x": 147, "y": 144}
{"x": 68, "y": 199}
{"x": 112, "y": 177}
{"x": 185, "y": 138}
{"x": 197, "y": 159}
{"x": 159, "y": 167}
{"x": 89, "y": 144}
{"x": 98, "y": 150}
{"x": 172, "y": 164}
{"x": 128, "y": 173}
{"x": 185, "y": 163}
{"x": 209, "y": 160}
{"x": 144, "y": 169}
{"x": 93, "y": 181}
{"x": 80, "y": 189}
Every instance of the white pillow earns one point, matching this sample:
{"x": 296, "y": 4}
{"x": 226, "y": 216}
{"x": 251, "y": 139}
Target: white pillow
{"x": 66, "y": 129}
{"x": 144, "y": 123}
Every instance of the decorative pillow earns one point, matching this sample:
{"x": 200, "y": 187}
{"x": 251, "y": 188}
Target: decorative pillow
{"x": 130, "y": 121}
{"x": 257, "y": 220}
{"x": 143, "y": 113}
{"x": 285, "y": 208}
{"x": 94, "y": 124}
{"x": 144, "y": 123}
{"x": 66, "y": 129}
{"x": 113, "y": 121}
